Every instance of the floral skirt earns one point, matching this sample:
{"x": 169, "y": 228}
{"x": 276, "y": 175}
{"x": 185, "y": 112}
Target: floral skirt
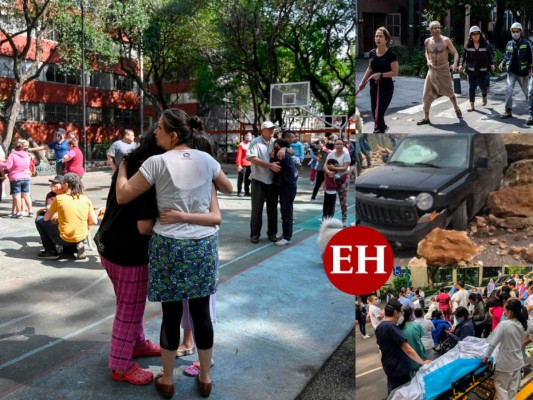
{"x": 182, "y": 269}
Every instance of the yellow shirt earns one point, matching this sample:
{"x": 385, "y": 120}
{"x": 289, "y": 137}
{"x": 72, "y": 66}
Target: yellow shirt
{"x": 72, "y": 216}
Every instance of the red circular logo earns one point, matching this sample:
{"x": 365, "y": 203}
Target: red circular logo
{"x": 358, "y": 260}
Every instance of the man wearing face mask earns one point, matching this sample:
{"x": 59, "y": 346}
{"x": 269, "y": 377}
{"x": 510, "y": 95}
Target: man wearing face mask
{"x": 517, "y": 61}
{"x": 464, "y": 327}
{"x": 396, "y": 353}
{"x": 375, "y": 312}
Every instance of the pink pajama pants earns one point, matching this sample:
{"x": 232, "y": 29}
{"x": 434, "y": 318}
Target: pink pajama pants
{"x": 131, "y": 286}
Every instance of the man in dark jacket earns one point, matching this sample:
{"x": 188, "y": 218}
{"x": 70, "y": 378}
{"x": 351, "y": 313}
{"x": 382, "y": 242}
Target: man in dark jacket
{"x": 464, "y": 326}
{"x": 517, "y": 61}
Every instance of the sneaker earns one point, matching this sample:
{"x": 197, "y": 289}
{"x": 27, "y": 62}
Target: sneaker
{"x": 366, "y": 336}
{"x": 29, "y": 214}
{"x": 80, "y": 251}
{"x": 274, "y": 238}
{"x": 283, "y": 242}
{"x": 507, "y": 114}
{"x": 247, "y": 195}
{"x": 19, "y": 215}
{"x": 312, "y": 201}
{"x": 48, "y": 255}
{"x": 240, "y": 194}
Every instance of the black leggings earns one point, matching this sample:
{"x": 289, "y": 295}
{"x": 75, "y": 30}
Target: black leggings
{"x": 318, "y": 182}
{"x": 201, "y": 319}
{"x": 386, "y": 90}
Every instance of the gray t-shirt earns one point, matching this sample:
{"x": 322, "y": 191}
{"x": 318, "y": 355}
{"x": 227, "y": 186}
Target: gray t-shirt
{"x": 183, "y": 181}
{"x": 119, "y": 148}
{"x": 260, "y": 149}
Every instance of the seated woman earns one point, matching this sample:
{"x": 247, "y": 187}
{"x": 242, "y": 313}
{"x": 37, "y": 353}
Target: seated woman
{"x": 464, "y": 327}
{"x": 74, "y": 215}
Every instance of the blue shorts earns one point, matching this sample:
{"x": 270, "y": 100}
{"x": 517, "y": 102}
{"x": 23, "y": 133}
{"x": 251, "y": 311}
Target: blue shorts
{"x": 20, "y": 186}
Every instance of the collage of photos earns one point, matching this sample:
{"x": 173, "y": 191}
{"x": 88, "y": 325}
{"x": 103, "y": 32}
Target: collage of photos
{"x": 444, "y": 171}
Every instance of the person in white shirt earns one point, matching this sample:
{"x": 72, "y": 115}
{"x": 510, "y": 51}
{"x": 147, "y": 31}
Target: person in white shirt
{"x": 433, "y": 306}
{"x": 375, "y": 312}
{"x": 508, "y": 336}
{"x": 529, "y": 302}
{"x": 427, "y": 337}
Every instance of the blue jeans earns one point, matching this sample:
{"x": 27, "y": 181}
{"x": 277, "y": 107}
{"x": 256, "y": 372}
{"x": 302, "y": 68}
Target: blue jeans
{"x": 531, "y": 97}
{"x": 49, "y": 233}
{"x": 511, "y": 80}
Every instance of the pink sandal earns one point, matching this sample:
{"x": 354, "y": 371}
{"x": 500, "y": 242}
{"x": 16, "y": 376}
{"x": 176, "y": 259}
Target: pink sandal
{"x": 135, "y": 375}
{"x": 193, "y": 370}
{"x": 150, "y": 350}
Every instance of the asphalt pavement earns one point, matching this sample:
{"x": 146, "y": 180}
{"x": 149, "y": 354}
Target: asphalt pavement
{"x": 406, "y": 108}
{"x": 282, "y": 332}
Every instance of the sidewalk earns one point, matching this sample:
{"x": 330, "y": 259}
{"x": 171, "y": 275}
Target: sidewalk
{"x": 406, "y": 108}
{"x": 278, "y": 318}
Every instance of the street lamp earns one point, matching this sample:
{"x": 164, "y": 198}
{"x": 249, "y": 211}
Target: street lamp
{"x": 83, "y": 83}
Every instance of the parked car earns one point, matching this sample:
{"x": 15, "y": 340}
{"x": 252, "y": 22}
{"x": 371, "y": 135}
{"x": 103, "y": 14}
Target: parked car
{"x": 447, "y": 289}
{"x": 430, "y": 181}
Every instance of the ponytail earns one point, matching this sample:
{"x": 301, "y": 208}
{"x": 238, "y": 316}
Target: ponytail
{"x": 519, "y": 312}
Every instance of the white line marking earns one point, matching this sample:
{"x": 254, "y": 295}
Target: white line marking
{"x": 251, "y": 252}
{"x": 368, "y": 372}
{"x": 57, "y": 341}
{"x": 418, "y": 107}
{"x": 14, "y": 321}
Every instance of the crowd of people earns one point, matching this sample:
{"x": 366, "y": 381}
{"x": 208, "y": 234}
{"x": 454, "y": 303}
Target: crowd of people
{"x": 477, "y": 61}
{"x": 158, "y": 238}
{"x": 409, "y": 336}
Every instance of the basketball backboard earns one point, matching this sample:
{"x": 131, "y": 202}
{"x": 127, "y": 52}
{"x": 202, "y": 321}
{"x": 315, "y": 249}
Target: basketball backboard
{"x": 289, "y": 95}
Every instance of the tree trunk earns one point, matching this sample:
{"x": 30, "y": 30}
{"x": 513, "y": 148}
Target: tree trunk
{"x": 12, "y": 112}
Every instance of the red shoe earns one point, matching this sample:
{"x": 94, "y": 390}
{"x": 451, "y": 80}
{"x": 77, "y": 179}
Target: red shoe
{"x": 150, "y": 350}
{"x": 135, "y": 375}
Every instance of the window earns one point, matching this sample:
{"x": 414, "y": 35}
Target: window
{"x": 50, "y": 113}
{"x": 74, "y": 78}
{"x": 61, "y": 112}
{"x": 6, "y": 67}
{"x": 394, "y": 26}
{"x": 74, "y": 114}
{"x": 95, "y": 115}
{"x": 121, "y": 82}
{"x": 107, "y": 116}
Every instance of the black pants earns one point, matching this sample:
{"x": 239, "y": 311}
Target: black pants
{"x": 328, "y": 208}
{"x": 478, "y": 330}
{"x": 362, "y": 326}
{"x": 244, "y": 175}
{"x": 262, "y": 192}
{"x": 396, "y": 381}
{"x": 386, "y": 90}
{"x": 286, "y": 203}
{"x": 201, "y": 319}
{"x": 475, "y": 80}
{"x": 319, "y": 179}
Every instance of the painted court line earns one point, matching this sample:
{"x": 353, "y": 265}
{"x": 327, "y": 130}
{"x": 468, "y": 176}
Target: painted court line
{"x": 14, "y": 321}
{"x": 57, "y": 341}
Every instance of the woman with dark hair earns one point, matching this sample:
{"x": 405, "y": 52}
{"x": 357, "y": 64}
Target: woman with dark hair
{"x": 477, "y": 61}
{"x": 73, "y": 160}
{"x": 508, "y": 336}
{"x": 444, "y": 301}
{"x": 183, "y": 256}
{"x": 464, "y": 327}
{"x": 479, "y": 314}
{"x": 383, "y": 66}
{"x": 413, "y": 333}
{"x": 122, "y": 242}
{"x": 496, "y": 311}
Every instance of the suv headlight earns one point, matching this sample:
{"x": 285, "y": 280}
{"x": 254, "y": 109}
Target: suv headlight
{"x": 424, "y": 201}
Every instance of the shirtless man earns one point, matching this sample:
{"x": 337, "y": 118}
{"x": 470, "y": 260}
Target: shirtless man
{"x": 438, "y": 79}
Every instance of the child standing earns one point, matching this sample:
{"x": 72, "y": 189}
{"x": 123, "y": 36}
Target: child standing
{"x": 330, "y": 194}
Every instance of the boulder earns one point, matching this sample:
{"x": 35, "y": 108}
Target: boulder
{"x": 442, "y": 247}
{"x": 519, "y": 147}
{"x": 416, "y": 262}
{"x": 519, "y": 173}
{"x": 512, "y": 202}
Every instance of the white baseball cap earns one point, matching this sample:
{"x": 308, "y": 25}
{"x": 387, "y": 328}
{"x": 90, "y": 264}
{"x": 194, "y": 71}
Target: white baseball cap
{"x": 473, "y": 29}
{"x": 267, "y": 125}
{"x": 517, "y": 25}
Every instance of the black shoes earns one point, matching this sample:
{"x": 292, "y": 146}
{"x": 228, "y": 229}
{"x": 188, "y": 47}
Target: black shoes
{"x": 254, "y": 239}
{"x": 48, "y": 255}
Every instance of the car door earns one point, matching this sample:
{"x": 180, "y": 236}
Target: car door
{"x": 482, "y": 182}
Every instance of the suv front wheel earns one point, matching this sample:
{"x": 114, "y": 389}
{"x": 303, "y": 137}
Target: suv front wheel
{"x": 459, "y": 219}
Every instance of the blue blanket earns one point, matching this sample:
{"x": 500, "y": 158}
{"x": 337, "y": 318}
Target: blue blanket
{"x": 440, "y": 325}
{"x": 440, "y": 380}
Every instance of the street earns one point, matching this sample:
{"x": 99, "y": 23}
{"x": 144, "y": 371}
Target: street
{"x": 57, "y": 315}
{"x": 406, "y": 108}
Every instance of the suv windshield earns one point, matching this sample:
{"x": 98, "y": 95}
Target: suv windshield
{"x": 434, "y": 152}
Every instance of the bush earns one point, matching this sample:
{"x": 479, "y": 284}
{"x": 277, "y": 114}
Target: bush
{"x": 414, "y": 66}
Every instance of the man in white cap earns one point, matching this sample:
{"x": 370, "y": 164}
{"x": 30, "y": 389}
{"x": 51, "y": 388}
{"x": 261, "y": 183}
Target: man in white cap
{"x": 262, "y": 188}
{"x": 517, "y": 61}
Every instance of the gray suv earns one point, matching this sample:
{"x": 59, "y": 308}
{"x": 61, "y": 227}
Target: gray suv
{"x": 429, "y": 181}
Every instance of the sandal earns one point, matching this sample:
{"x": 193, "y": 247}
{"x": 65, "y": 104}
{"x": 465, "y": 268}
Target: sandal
{"x": 458, "y": 113}
{"x": 135, "y": 375}
{"x": 150, "y": 350}
{"x": 186, "y": 352}
{"x": 423, "y": 121}
{"x": 193, "y": 370}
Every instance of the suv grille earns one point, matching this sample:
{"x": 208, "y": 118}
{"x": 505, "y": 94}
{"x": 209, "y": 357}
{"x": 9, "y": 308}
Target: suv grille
{"x": 391, "y": 216}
